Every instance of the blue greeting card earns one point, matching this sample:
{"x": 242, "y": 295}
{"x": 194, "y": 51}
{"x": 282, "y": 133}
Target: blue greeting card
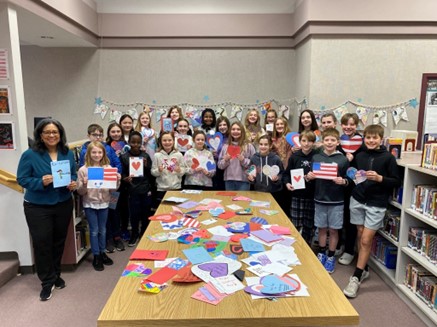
{"x": 61, "y": 173}
{"x": 197, "y": 255}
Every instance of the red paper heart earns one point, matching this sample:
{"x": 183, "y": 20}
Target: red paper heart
{"x": 297, "y": 178}
{"x": 350, "y": 145}
{"x": 237, "y": 237}
{"x": 182, "y": 142}
{"x": 164, "y": 217}
{"x": 136, "y": 165}
{"x": 226, "y": 215}
{"x": 195, "y": 163}
{"x": 234, "y": 151}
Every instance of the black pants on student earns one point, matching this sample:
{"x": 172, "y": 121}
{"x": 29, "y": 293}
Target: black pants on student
{"x": 139, "y": 207}
{"x": 48, "y": 226}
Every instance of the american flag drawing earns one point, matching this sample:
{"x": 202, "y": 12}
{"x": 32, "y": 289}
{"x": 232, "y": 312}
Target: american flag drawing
{"x": 324, "y": 170}
{"x": 350, "y": 145}
{"x": 99, "y": 177}
{"x": 110, "y": 174}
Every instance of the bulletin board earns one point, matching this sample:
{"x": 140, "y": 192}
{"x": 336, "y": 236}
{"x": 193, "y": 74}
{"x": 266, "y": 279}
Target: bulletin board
{"x": 427, "y": 121}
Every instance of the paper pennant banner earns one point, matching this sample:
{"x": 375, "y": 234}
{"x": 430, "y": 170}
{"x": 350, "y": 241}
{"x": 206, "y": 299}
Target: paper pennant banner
{"x": 284, "y": 111}
{"x": 133, "y": 113}
{"x": 236, "y": 112}
{"x": 363, "y": 114}
{"x": 339, "y": 112}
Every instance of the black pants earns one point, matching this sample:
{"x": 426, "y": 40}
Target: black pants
{"x": 48, "y": 226}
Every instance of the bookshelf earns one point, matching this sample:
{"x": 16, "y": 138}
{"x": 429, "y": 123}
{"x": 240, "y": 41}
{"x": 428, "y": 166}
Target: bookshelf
{"x": 77, "y": 244}
{"x": 411, "y": 220}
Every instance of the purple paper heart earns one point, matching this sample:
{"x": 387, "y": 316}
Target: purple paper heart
{"x": 216, "y": 269}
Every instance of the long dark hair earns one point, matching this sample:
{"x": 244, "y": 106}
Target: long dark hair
{"x": 39, "y": 145}
{"x": 314, "y": 126}
{"x": 208, "y": 127}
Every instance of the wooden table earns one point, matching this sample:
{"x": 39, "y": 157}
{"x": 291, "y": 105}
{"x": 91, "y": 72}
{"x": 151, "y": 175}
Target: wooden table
{"x": 326, "y": 304}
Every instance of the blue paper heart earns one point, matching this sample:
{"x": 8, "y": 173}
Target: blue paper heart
{"x": 216, "y": 211}
{"x": 351, "y": 172}
{"x": 210, "y": 166}
{"x": 215, "y": 141}
{"x": 273, "y": 285}
{"x": 292, "y": 138}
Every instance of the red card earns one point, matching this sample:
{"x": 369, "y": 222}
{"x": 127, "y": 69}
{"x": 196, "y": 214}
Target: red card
{"x": 227, "y": 215}
{"x": 254, "y": 226}
{"x": 234, "y": 150}
{"x": 186, "y": 276}
{"x": 162, "y": 276}
{"x": 280, "y": 230}
{"x": 149, "y": 255}
{"x": 202, "y": 233}
{"x": 224, "y": 193}
{"x": 165, "y": 217}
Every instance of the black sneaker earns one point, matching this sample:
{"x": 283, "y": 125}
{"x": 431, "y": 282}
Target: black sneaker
{"x": 133, "y": 241}
{"x": 59, "y": 283}
{"x": 119, "y": 244}
{"x": 98, "y": 263}
{"x": 46, "y": 292}
{"x": 106, "y": 260}
{"x": 110, "y": 246}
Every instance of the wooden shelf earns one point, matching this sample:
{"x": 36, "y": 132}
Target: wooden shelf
{"x": 10, "y": 180}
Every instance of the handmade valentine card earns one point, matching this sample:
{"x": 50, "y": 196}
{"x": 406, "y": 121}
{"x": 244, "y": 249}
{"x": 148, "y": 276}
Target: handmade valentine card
{"x": 271, "y": 171}
{"x": 164, "y": 217}
{"x": 226, "y": 193}
{"x": 148, "y": 254}
{"x": 221, "y": 266}
{"x": 350, "y": 144}
{"x": 167, "y": 124}
{"x": 136, "y": 167}
{"x": 234, "y": 151}
{"x": 297, "y": 178}
{"x": 227, "y": 215}
{"x": 293, "y": 139}
{"x": 214, "y": 142}
{"x": 208, "y": 294}
{"x": 251, "y": 170}
{"x": 197, "y": 255}
{"x": 186, "y": 276}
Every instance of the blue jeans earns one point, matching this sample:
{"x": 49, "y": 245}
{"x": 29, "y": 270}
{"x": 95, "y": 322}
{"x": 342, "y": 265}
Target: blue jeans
{"x": 237, "y": 186}
{"x": 97, "y": 221}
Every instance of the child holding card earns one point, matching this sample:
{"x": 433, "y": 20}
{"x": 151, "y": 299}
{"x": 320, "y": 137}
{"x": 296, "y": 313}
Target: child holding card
{"x": 329, "y": 173}
{"x": 267, "y": 176}
{"x": 184, "y": 140}
{"x": 252, "y": 123}
{"x": 144, "y": 126}
{"x": 96, "y": 202}
{"x": 201, "y": 165}
{"x": 269, "y": 120}
{"x": 136, "y": 178}
{"x": 235, "y": 158}
{"x": 168, "y": 166}
{"x": 223, "y": 126}
{"x": 369, "y": 199}
{"x": 208, "y": 121}
{"x": 302, "y": 198}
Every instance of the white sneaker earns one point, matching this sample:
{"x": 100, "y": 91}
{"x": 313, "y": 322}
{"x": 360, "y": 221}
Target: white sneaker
{"x": 339, "y": 251}
{"x": 365, "y": 275}
{"x": 352, "y": 288}
{"x": 346, "y": 259}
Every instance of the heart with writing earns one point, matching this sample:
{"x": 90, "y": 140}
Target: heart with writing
{"x": 215, "y": 269}
{"x": 350, "y": 144}
{"x": 234, "y": 151}
{"x": 214, "y": 141}
{"x": 220, "y": 267}
{"x": 275, "y": 285}
{"x": 292, "y": 138}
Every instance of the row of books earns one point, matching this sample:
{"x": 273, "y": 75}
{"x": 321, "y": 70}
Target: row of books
{"x": 384, "y": 252}
{"x": 429, "y": 151}
{"x": 423, "y": 241}
{"x": 397, "y": 194}
{"x": 424, "y": 200}
{"x": 422, "y": 283}
{"x": 392, "y": 223}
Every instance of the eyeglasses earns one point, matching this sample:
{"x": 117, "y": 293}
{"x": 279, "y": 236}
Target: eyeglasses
{"x": 97, "y": 135}
{"x": 47, "y": 133}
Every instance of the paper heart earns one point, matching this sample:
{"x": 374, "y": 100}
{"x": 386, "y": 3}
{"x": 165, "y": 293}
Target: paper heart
{"x": 274, "y": 285}
{"x": 214, "y": 141}
{"x": 195, "y": 163}
{"x": 351, "y": 172}
{"x": 234, "y": 151}
{"x": 193, "y": 214}
{"x": 297, "y": 178}
{"x": 237, "y": 227}
{"x": 188, "y": 239}
{"x": 215, "y": 269}
{"x": 164, "y": 217}
{"x": 271, "y": 171}
{"x": 292, "y": 138}
{"x": 236, "y": 249}
{"x": 216, "y": 211}
{"x": 237, "y": 237}
{"x": 210, "y": 166}
{"x": 266, "y": 170}
{"x": 350, "y": 145}
{"x": 117, "y": 145}
{"x": 251, "y": 170}
{"x": 182, "y": 142}
{"x": 136, "y": 165}
{"x": 360, "y": 176}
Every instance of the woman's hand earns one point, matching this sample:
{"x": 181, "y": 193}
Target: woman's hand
{"x": 47, "y": 180}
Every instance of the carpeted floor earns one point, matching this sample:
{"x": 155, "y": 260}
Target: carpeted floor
{"x": 80, "y": 303}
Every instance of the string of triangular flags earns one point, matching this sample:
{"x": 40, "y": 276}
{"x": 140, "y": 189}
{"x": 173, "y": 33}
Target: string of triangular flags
{"x": 371, "y": 114}
{"x": 285, "y": 108}
{"x": 113, "y": 111}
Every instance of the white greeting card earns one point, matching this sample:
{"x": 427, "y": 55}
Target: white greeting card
{"x": 136, "y": 167}
{"x": 297, "y": 178}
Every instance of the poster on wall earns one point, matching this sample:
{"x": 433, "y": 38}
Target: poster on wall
{"x": 427, "y": 118}
{"x": 5, "y": 103}
{"x": 4, "y": 65}
{"x": 7, "y": 137}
